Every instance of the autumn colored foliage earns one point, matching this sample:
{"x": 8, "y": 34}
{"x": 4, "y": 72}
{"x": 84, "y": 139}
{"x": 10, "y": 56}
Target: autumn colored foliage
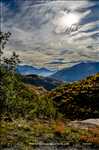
{"x": 93, "y": 138}
{"x": 79, "y": 100}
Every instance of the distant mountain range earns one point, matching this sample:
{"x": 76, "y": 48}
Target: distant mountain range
{"x": 71, "y": 74}
{"x": 27, "y": 70}
{"x": 77, "y": 72}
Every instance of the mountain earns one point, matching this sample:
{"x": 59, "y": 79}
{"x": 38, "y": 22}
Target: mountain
{"x": 27, "y": 70}
{"x": 77, "y": 72}
{"x": 39, "y": 81}
{"x": 45, "y": 72}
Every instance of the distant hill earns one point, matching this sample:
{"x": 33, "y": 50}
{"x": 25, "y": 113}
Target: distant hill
{"x": 79, "y": 100}
{"x": 28, "y": 70}
{"x": 77, "y": 72}
{"x": 39, "y": 81}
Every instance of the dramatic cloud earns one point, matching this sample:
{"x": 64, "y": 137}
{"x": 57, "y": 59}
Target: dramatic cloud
{"x": 50, "y": 33}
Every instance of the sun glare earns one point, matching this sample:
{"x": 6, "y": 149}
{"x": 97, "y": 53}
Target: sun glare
{"x": 66, "y": 22}
{"x": 70, "y": 19}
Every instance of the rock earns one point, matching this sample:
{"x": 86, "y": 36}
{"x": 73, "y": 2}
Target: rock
{"x": 85, "y": 124}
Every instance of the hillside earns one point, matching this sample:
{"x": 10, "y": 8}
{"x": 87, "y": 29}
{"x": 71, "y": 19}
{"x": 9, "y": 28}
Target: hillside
{"x": 22, "y": 100}
{"x": 39, "y": 81}
{"x": 79, "y": 100}
{"x": 77, "y": 72}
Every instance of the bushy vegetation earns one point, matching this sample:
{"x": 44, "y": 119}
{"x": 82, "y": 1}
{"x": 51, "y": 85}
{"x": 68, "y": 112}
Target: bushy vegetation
{"x": 79, "y": 100}
{"x": 19, "y": 100}
{"x": 21, "y": 134}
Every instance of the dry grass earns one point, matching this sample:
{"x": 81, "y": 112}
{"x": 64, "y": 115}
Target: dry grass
{"x": 93, "y": 138}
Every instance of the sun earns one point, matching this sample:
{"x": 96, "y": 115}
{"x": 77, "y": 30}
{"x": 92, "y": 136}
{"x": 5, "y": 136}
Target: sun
{"x": 65, "y": 21}
{"x": 70, "y": 19}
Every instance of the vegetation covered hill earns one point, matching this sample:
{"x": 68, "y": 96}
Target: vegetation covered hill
{"x": 19, "y": 99}
{"x": 79, "y": 100}
{"x": 39, "y": 81}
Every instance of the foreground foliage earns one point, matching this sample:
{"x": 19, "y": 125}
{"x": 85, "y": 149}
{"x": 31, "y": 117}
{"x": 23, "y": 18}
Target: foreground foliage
{"x": 93, "y": 138}
{"x": 24, "y": 135}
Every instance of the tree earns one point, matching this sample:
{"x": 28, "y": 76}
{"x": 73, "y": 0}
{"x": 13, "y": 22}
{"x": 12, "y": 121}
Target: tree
{"x": 11, "y": 62}
{"x": 6, "y": 77}
{"x": 3, "y": 40}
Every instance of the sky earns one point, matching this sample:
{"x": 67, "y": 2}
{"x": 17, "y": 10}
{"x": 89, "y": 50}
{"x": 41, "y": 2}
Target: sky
{"x": 52, "y": 34}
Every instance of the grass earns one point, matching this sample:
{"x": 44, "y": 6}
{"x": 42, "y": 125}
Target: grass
{"x": 23, "y": 133}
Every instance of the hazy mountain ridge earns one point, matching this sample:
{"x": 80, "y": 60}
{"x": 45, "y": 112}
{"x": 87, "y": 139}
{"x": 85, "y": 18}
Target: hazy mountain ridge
{"x": 77, "y": 72}
{"x": 27, "y": 70}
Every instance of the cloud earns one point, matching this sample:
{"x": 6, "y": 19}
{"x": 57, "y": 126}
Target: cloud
{"x": 39, "y": 38}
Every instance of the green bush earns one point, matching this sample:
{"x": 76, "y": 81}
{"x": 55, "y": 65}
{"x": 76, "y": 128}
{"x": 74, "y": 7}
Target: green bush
{"x": 43, "y": 108}
{"x": 19, "y": 100}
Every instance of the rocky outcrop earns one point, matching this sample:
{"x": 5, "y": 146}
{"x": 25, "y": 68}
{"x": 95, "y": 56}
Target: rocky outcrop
{"x": 85, "y": 124}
